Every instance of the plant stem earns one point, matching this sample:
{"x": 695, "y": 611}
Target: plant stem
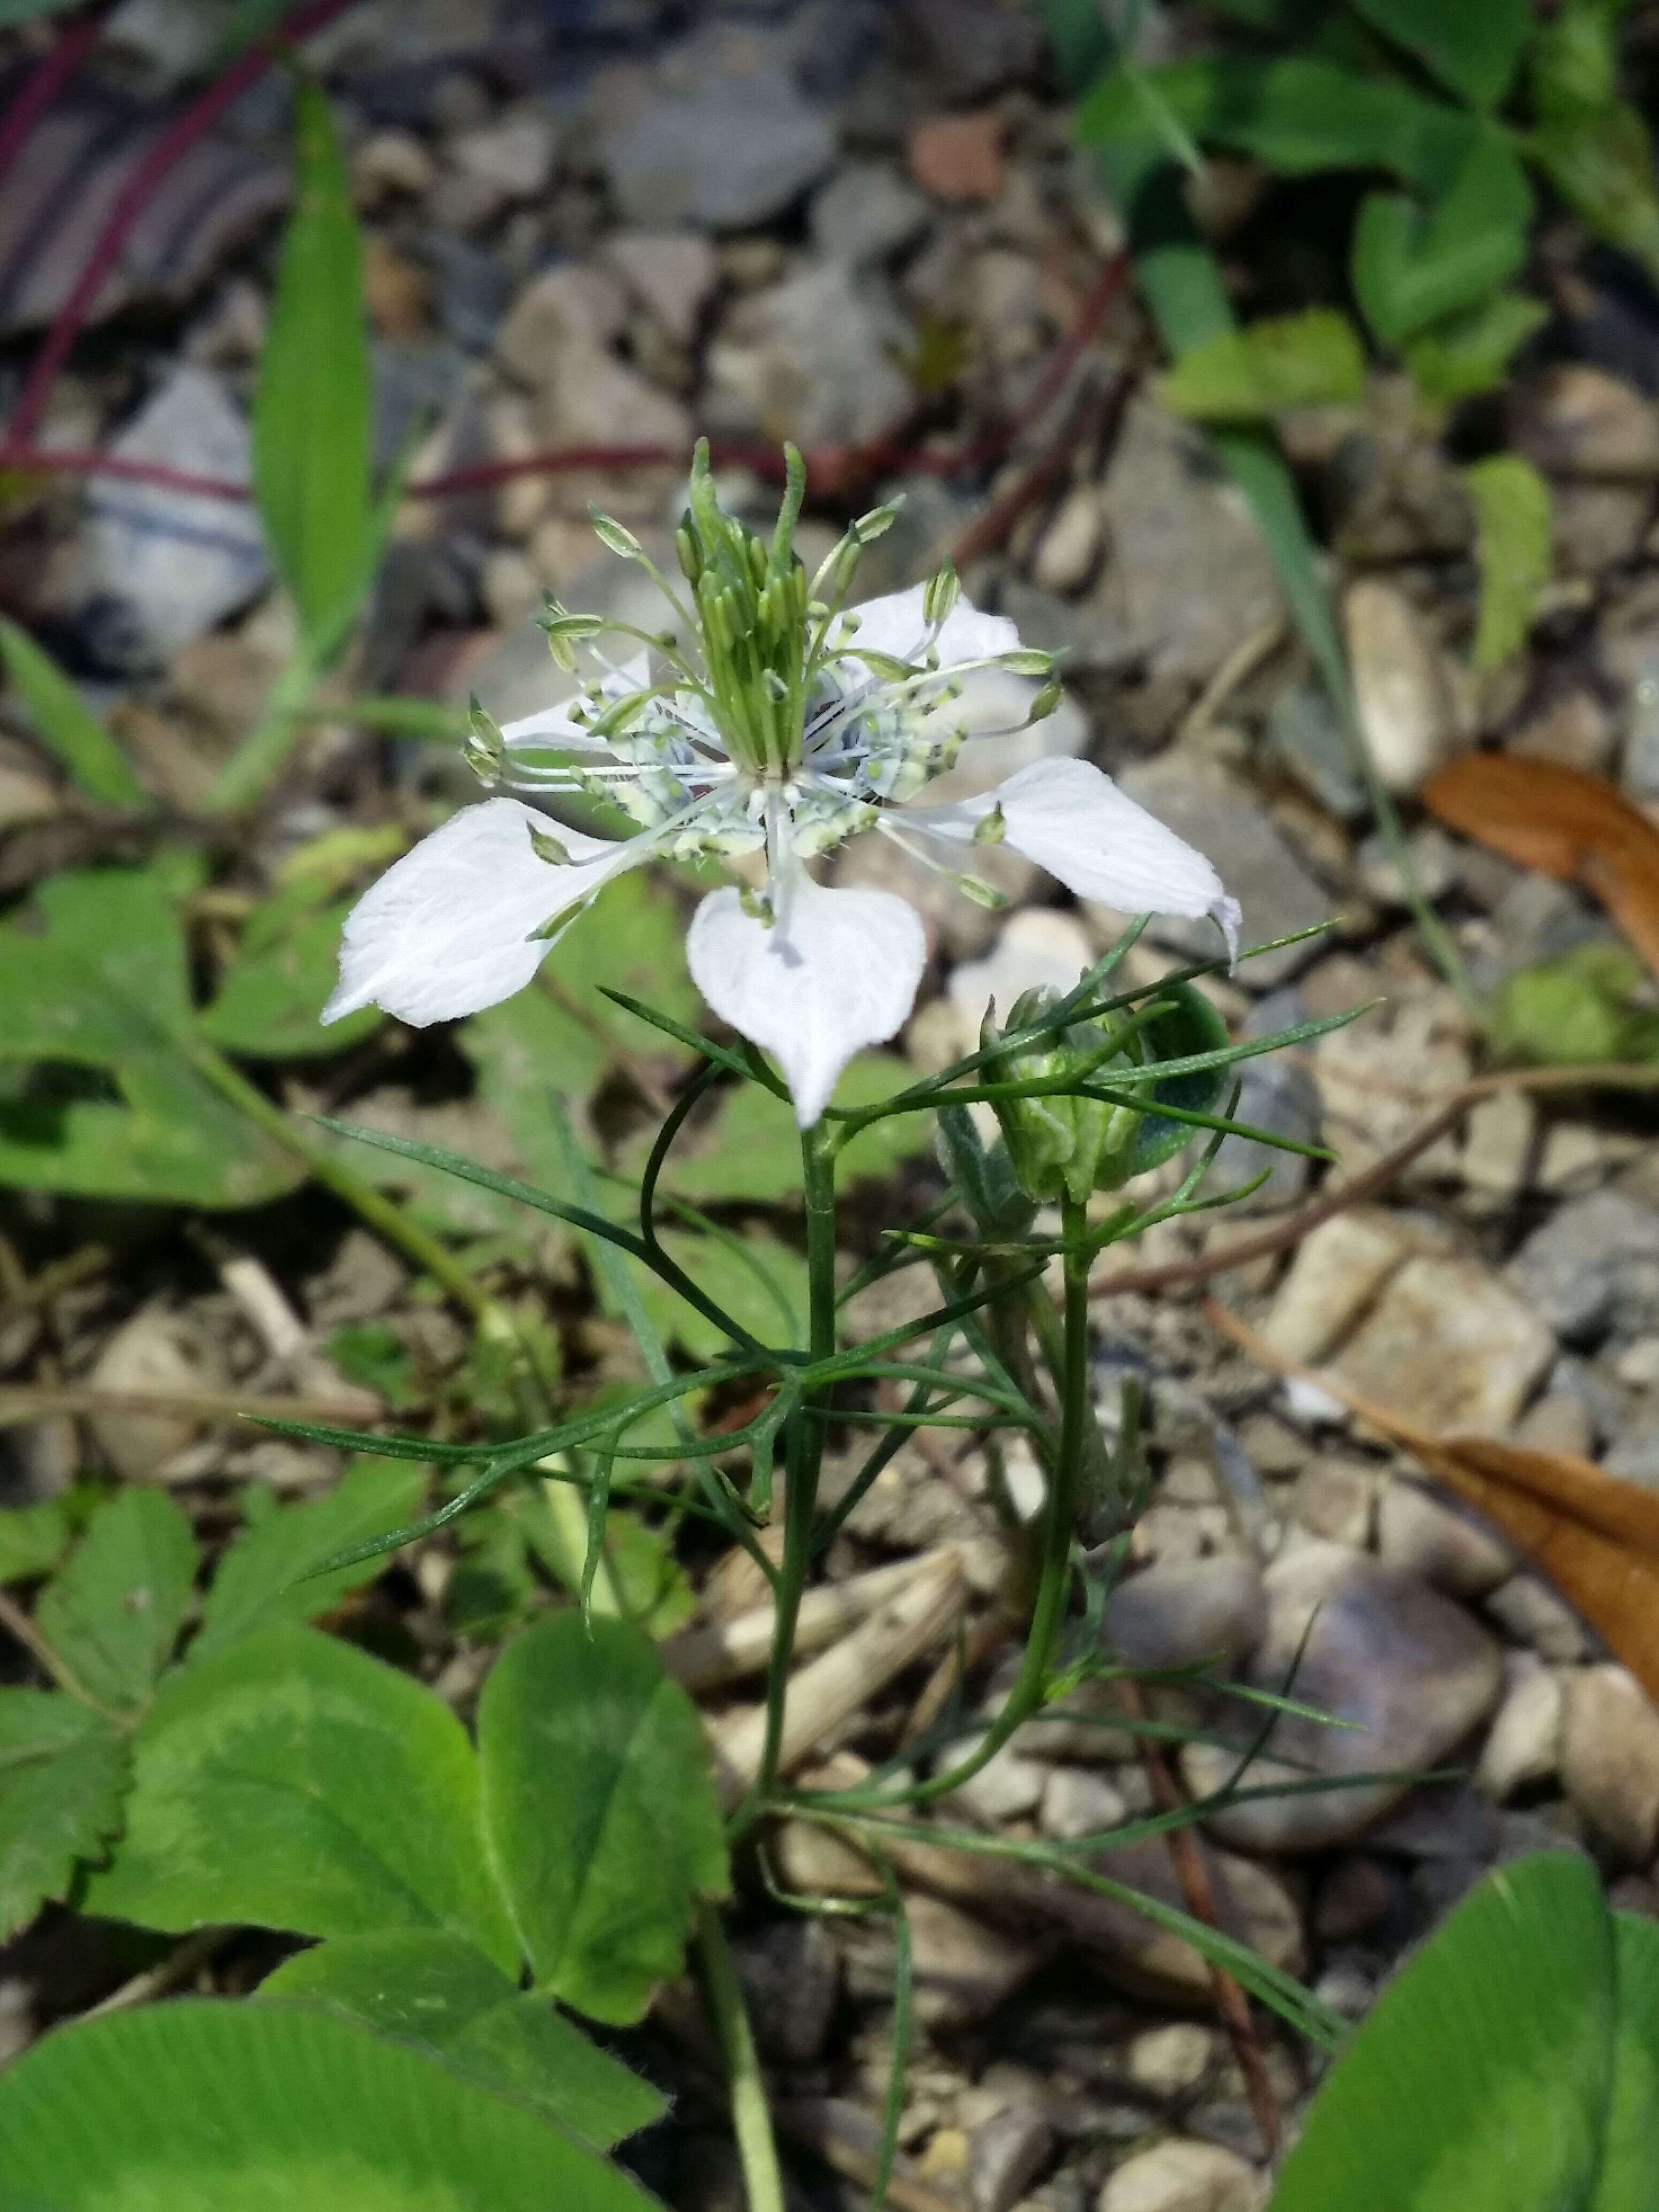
{"x": 264, "y": 752}
{"x": 751, "y": 2117}
{"x": 803, "y": 1454}
{"x": 1055, "y": 1550}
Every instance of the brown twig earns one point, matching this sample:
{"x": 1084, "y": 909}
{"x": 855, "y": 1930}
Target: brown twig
{"x": 65, "y": 1275}
{"x": 35, "y": 1401}
{"x": 190, "y": 124}
{"x": 17, "y": 1624}
{"x": 1193, "y": 1877}
{"x": 1279, "y": 1236}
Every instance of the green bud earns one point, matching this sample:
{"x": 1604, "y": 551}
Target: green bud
{"x": 612, "y": 535}
{"x": 547, "y": 847}
{"x": 983, "y": 1179}
{"x": 991, "y": 829}
{"x": 1045, "y": 702}
{"x": 943, "y": 590}
{"x": 982, "y": 894}
{"x": 756, "y": 905}
{"x": 1027, "y": 660}
{"x": 877, "y": 522}
{"x": 1062, "y": 1146}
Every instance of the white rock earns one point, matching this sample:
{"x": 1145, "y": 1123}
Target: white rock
{"x": 1077, "y": 1803}
{"x": 1399, "y": 687}
{"x": 512, "y": 157}
{"x": 1071, "y": 544}
{"x": 1006, "y": 1788}
{"x": 1039, "y": 947}
{"x": 673, "y": 273}
{"x": 1181, "y": 2176}
{"x": 572, "y": 306}
{"x": 811, "y": 358}
{"x": 155, "y": 1350}
{"x": 1337, "y": 1270}
{"x": 1167, "y": 2062}
{"x": 1524, "y": 1742}
{"x": 1450, "y": 1340}
{"x": 1610, "y": 1758}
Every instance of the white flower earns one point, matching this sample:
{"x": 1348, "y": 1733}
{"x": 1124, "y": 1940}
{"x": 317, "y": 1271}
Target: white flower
{"x": 797, "y": 727}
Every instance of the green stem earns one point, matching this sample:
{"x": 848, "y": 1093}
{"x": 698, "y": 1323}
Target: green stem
{"x": 1053, "y": 1560}
{"x": 803, "y": 1454}
{"x": 751, "y": 2117}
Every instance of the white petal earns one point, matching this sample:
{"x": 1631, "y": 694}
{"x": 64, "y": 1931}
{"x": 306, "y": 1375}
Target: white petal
{"x": 896, "y": 625}
{"x": 842, "y": 973}
{"x": 1072, "y": 820}
{"x": 446, "y": 929}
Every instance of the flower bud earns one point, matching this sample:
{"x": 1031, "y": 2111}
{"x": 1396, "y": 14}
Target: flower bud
{"x": 1062, "y": 1146}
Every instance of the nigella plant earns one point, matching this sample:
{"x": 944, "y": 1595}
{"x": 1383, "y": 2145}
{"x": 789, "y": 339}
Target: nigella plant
{"x": 768, "y": 725}
{"x": 771, "y": 722}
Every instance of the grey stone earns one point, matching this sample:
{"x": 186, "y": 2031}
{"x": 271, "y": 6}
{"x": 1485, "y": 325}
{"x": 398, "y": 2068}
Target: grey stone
{"x": 1409, "y": 1671}
{"x": 811, "y": 359}
{"x": 1524, "y": 1744}
{"x": 1339, "y": 1268}
{"x": 1279, "y": 1094}
{"x": 1400, "y": 692}
{"x": 1334, "y": 1499}
{"x": 1183, "y": 1612}
{"x": 176, "y": 562}
{"x": 1303, "y": 731}
{"x": 1594, "y": 1267}
{"x": 1183, "y": 2176}
{"x": 1006, "y": 2153}
{"x": 1535, "y": 1614}
{"x": 715, "y": 135}
{"x": 672, "y": 273}
{"x": 1006, "y": 1788}
{"x": 1610, "y": 1758}
{"x": 1202, "y": 802}
{"x": 155, "y": 1350}
{"x": 1440, "y": 1539}
{"x": 1434, "y": 863}
{"x": 1635, "y": 1455}
{"x": 1171, "y": 2060}
{"x": 1070, "y": 547}
{"x": 791, "y": 1976}
{"x": 1077, "y": 1803}
{"x": 964, "y": 1970}
{"x": 1188, "y": 579}
{"x": 866, "y": 214}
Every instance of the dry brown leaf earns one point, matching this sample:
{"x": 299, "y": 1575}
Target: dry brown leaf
{"x": 1596, "y": 1538}
{"x": 1563, "y": 822}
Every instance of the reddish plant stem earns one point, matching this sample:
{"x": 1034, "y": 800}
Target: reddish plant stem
{"x": 181, "y": 134}
{"x": 68, "y": 50}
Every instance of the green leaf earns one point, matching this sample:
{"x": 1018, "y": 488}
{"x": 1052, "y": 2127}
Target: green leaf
{"x": 311, "y": 412}
{"x": 114, "y": 1614}
{"x": 1479, "y": 2080}
{"x": 1282, "y": 360}
{"x": 1588, "y": 1005}
{"x": 563, "y": 1034}
{"x": 266, "y": 1576}
{"x": 62, "y": 1776}
{"x": 651, "y": 1585}
{"x": 1470, "y": 352}
{"x": 600, "y": 1805}
{"x": 1511, "y": 551}
{"x": 292, "y": 1782}
{"x": 33, "y": 1539}
{"x": 270, "y": 995}
{"x": 760, "y": 1282}
{"x": 1413, "y": 267}
{"x": 1473, "y": 47}
{"x": 445, "y": 1998}
{"x": 205, "y": 2106}
{"x": 1628, "y": 2181}
{"x": 1601, "y": 161}
{"x": 97, "y": 978}
{"x": 66, "y": 726}
{"x": 1296, "y": 115}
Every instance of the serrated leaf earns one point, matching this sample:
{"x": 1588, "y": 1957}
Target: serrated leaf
{"x": 293, "y": 1782}
{"x": 270, "y": 995}
{"x": 1411, "y": 266}
{"x": 266, "y": 1576}
{"x": 600, "y": 1801}
{"x": 1626, "y": 2181}
{"x": 1593, "y": 1003}
{"x": 441, "y": 1996}
{"x": 62, "y": 1776}
{"x": 1479, "y": 2080}
{"x": 66, "y": 726}
{"x": 1511, "y": 549}
{"x": 205, "y": 2107}
{"x": 33, "y": 1539}
{"x": 114, "y": 1614}
{"x": 1283, "y": 361}
{"x": 311, "y": 413}
{"x": 97, "y": 978}
{"x": 1473, "y": 47}
{"x": 1469, "y": 353}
